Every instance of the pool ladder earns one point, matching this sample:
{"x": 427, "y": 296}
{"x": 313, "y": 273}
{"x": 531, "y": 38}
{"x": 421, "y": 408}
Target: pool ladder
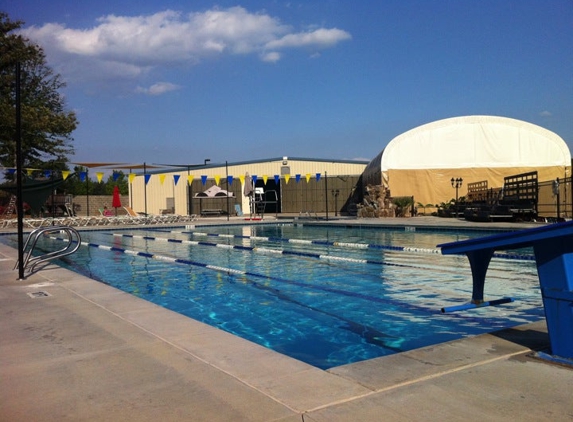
{"x": 73, "y": 243}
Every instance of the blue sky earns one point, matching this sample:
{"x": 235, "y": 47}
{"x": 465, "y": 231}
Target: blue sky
{"x": 177, "y": 81}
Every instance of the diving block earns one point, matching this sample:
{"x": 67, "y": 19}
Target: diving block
{"x": 553, "y": 248}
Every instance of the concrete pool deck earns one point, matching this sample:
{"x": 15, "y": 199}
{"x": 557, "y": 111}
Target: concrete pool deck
{"x": 75, "y": 349}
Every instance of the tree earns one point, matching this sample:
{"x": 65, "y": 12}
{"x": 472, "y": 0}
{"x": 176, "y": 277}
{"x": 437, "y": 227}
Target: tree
{"x": 46, "y": 124}
{"x": 403, "y": 203}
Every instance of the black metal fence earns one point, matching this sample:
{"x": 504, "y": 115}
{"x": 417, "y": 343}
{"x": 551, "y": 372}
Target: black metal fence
{"x": 555, "y": 199}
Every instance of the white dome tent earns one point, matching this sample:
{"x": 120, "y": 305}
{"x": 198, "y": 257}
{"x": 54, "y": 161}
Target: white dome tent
{"x": 422, "y": 161}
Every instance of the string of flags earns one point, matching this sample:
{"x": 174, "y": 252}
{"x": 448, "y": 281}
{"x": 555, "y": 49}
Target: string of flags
{"x": 147, "y": 177}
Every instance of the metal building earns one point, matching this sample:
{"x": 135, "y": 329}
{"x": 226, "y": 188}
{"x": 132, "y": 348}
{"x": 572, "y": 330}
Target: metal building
{"x": 282, "y": 185}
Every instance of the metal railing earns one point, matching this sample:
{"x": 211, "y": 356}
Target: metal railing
{"x": 72, "y": 243}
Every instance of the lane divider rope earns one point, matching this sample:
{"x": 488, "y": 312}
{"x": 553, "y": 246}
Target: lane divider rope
{"x": 347, "y": 244}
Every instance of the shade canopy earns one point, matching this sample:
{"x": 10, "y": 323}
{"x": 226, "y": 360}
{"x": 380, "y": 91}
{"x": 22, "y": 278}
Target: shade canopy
{"x": 34, "y": 192}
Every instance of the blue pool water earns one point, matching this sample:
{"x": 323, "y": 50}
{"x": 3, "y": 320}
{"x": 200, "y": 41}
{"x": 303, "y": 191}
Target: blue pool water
{"x": 312, "y": 293}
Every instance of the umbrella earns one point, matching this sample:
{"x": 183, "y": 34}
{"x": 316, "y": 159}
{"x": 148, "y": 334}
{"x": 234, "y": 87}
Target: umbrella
{"x": 248, "y": 190}
{"x": 116, "y": 200}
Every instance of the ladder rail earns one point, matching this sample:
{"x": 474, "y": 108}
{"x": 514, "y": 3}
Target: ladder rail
{"x": 72, "y": 244}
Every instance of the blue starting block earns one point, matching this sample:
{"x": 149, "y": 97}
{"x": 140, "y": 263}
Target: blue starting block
{"x": 553, "y": 248}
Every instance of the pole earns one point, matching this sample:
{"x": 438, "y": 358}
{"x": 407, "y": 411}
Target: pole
{"x": 19, "y": 165}
{"x": 227, "y": 176}
{"x": 558, "y": 198}
{"x": 88, "y": 190}
{"x": 188, "y": 191}
{"x": 145, "y": 187}
{"x": 326, "y": 192}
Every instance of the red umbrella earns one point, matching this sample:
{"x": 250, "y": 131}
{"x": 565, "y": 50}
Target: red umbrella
{"x": 116, "y": 200}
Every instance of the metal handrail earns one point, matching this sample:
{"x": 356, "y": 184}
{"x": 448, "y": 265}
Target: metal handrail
{"x": 73, "y": 243}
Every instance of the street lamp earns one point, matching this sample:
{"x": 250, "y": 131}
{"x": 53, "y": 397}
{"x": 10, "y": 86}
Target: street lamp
{"x": 335, "y": 193}
{"x": 457, "y": 183}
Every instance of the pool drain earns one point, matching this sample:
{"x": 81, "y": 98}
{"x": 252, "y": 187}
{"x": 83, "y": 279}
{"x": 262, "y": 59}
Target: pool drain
{"x": 35, "y": 295}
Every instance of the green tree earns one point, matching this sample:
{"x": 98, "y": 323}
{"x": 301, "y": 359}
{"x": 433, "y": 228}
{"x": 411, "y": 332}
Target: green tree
{"x": 46, "y": 124}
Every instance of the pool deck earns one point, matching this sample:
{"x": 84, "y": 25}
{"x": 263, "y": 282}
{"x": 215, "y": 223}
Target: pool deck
{"x": 75, "y": 349}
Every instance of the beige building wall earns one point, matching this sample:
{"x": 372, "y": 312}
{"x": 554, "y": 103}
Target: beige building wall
{"x": 161, "y": 190}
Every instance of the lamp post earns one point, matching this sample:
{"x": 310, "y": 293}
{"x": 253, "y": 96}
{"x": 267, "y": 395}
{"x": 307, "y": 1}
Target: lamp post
{"x": 335, "y": 193}
{"x": 457, "y": 183}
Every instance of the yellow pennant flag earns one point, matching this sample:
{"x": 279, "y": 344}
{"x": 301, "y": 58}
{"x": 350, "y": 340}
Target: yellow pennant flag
{"x": 242, "y": 179}
{"x": 65, "y": 174}
{"x": 265, "y": 178}
{"x": 307, "y": 177}
{"x": 217, "y": 179}
{"x": 99, "y": 176}
{"x": 131, "y": 177}
{"x": 161, "y": 178}
{"x": 287, "y": 178}
{"x": 190, "y": 179}
{"x": 29, "y": 171}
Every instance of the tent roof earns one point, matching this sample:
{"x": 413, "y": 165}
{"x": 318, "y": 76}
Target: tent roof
{"x": 475, "y": 142}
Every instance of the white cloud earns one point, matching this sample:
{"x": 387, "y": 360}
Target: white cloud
{"x": 271, "y": 57}
{"x": 545, "y": 113}
{"x": 317, "y": 38}
{"x": 132, "y": 46}
{"x": 158, "y": 88}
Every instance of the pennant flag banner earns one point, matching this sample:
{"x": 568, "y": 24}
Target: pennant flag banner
{"x": 83, "y": 175}
{"x": 287, "y": 178}
{"x": 277, "y": 179}
{"x": 317, "y": 177}
{"x": 217, "y": 179}
{"x": 161, "y": 178}
{"x": 297, "y": 178}
{"x": 203, "y": 180}
{"x": 190, "y": 179}
{"x": 147, "y": 177}
{"x": 11, "y": 171}
{"x": 175, "y": 179}
{"x": 131, "y": 177}
{"x": 47, "y": 173}
{"x": 242, "y": 179}
{"x": 254, "y": 178}
{"x": 99, "y": 176}
{"x": 29, "y": 171}
{"x": 230, "y": 180}
{"x": 65, "y": 174}
{"x": 265, "y": 178}
{"x": 115, "y": 176}
{"x": 307, "y": 177}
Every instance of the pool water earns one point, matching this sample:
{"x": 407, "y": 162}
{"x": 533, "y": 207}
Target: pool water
{"x": 313, "y": 293}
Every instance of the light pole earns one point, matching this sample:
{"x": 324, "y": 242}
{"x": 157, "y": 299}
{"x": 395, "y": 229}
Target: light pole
{"x": 457, "y": 183}
{"x": 335, "y": 193}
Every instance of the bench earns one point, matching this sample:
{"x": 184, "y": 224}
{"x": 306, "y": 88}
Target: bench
{"x": 207, "y": 212}
{"x": 553, "y": 248}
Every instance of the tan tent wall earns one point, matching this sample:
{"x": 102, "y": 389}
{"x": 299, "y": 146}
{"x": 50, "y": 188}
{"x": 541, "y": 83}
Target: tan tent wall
{"x": 433, "y": 186}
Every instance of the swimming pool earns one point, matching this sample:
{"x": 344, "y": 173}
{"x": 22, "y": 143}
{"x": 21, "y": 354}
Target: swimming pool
{"x": 325, "y": 295}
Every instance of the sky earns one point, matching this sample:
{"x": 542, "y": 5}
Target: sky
{"x": 178, "y": 82}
